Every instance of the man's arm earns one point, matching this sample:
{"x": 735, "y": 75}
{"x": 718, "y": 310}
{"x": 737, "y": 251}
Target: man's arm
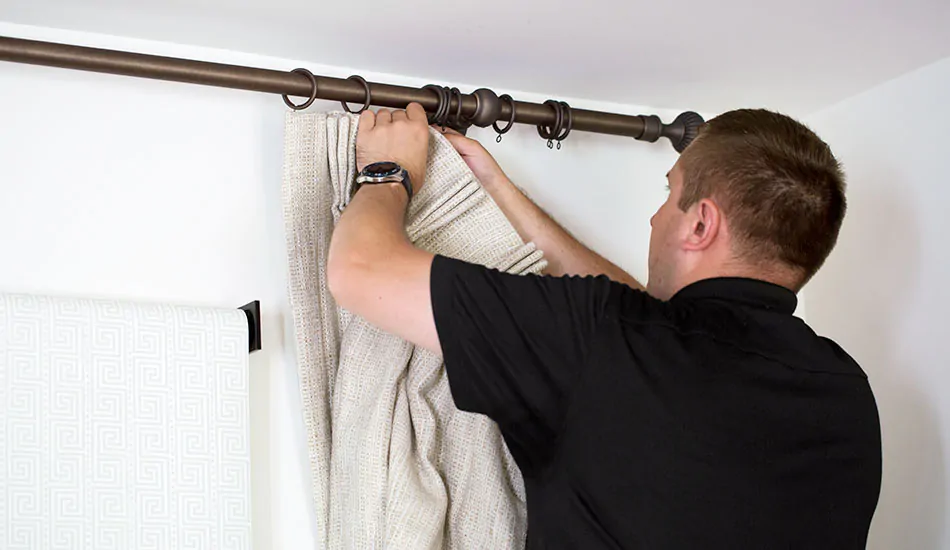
{"x": 565, "y": 254}
{"x": 373, "y": 270}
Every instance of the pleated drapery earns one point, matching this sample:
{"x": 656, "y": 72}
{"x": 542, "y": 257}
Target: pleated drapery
{"x": 394, "y": 463}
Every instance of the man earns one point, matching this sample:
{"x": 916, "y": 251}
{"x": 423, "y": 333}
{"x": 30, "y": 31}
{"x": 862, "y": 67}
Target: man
{"x": 695, "y": 413}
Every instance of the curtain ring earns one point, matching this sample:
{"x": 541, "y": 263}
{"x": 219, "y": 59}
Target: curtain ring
{"x": 445, "y": 107}
{"x": 551, "y": 132}
{"x": 511, "y": 118}
{"x": 442, "y": 109}
{"x": 447, "y": 111}
{"x": 313, "y": 91}
{"x": 367, "y": 99}
{"x": 456, "y": 118}
{"x": 430, "y": 117}
{"x": 458, "y": 121}
{"x": 568, "y": 123}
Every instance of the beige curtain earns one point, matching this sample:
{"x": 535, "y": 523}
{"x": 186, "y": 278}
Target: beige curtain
{"x": 394, "y": 463}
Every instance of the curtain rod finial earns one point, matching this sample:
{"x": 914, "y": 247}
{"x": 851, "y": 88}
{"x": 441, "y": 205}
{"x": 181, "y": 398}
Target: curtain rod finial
{"x": 684, "y": 129}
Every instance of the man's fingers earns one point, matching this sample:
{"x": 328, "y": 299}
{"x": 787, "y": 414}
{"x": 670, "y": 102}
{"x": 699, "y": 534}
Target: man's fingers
{"x": 383, "y": 117}
{"x": 367, "y": 120}
{"x": 400, "y": 115}
{"x": 455, "y": 138}
{"x": 416, "y": 113}
{"x": 460, "y": 142}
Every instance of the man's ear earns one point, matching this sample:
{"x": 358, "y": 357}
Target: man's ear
{"x": 705, "y": 224}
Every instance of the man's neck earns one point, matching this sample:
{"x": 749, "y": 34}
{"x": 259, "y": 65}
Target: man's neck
{"x": 777, "y": 276}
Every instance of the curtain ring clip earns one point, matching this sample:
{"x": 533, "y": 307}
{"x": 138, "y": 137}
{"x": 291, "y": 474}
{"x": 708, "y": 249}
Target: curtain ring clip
{"x": 313, "y": 91}
{"x": 568, "y": 123}
{"x": 511, "y": 117}
{"x": 447, "y": 111}
{"x": 457, "y": 121}
{"x": 441, "y": 112}
{"x": 367, "y": 98}
{"x": 551, "y": 132}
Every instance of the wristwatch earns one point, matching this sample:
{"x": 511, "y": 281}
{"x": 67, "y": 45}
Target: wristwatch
{"x": 384, "y": 172}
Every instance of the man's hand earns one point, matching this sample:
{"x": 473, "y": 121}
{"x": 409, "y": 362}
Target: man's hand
{"x": 398, "y": 136}
{"x": 565, "y": 254}
{"x": 479, "y": 160}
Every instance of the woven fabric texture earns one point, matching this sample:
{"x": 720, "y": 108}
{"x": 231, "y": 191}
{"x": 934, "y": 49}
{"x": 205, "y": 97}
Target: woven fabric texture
{"x": 394, "y": 463}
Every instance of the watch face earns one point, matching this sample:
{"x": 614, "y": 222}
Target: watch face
{"x": 382, "y": 169}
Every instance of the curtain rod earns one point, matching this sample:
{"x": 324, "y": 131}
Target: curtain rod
{"x": 642, "y": 127}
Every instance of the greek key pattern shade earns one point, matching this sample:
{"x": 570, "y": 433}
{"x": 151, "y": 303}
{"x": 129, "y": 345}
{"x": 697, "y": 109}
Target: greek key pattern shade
{"x": 122, "y": 425}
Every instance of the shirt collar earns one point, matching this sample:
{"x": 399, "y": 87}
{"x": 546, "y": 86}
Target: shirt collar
{"x": 753, "y": 292}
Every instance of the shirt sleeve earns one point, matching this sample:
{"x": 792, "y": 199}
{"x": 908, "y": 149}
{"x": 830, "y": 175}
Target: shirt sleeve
{"x": 514, "y": 345}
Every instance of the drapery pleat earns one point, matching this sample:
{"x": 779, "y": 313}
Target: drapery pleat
{"x": 394, "y": 463}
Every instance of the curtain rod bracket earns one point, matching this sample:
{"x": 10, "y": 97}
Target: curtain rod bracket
{"x": 253, "y": 312}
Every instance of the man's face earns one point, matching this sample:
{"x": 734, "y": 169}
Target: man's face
{"x": 665, "y": 236}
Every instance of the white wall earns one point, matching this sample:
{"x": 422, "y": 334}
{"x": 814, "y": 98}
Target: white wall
{"x": 122, "y": 187}
{"x": 885, "y": 293}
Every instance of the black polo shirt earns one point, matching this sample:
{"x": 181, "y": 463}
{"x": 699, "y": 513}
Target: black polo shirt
{"x": 714, "y": 420}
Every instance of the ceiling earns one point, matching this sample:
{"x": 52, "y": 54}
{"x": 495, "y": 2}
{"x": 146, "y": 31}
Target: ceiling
{"x": 795, "y": 56}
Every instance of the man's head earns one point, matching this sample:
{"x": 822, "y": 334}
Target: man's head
{"x": 756, "y": 194}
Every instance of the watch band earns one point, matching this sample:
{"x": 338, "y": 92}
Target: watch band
{"x": 401, "y": 177}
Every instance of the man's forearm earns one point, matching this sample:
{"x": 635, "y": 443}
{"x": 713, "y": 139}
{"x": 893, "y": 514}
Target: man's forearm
{"x": 565, "y": 254}
{"x": 376, "y": 273}
{"x": 372, "y": 224}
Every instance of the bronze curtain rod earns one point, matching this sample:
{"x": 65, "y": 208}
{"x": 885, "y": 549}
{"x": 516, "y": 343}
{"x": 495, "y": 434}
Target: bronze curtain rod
{"x": 642, "y": 127}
